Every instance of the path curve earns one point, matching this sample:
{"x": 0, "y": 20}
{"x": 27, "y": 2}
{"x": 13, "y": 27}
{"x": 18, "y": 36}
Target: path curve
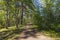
{"x": 32, "y": 35}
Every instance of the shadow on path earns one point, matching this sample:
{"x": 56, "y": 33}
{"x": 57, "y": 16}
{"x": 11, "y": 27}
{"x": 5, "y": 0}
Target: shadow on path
{"x": 27, "y": 33}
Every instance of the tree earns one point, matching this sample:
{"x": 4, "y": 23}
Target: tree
{"x": 7, "y": 9}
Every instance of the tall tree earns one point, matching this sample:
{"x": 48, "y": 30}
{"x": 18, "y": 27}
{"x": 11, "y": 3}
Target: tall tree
{"x": 7, "y": 4}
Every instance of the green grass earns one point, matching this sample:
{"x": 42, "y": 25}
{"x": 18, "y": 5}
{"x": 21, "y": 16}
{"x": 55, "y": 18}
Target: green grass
{"x": 9, "y": 28}
{"x": 52, "y": 34}
{"x": 12, "y": 32}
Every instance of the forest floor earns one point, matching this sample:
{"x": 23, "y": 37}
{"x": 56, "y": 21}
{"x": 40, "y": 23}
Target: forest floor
{"x": 28, "y": 33}
{"x": 32, "y": 34}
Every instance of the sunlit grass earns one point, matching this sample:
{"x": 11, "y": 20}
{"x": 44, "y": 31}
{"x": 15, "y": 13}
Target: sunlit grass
{"x": 9, "y": 28}
{"x": 10, "y": 33}
{"x": 51, "y": 34}
{"x": 13, "y": 31}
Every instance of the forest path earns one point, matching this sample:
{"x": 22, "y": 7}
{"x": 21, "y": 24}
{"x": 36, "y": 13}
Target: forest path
{"x": 32, "y": 34}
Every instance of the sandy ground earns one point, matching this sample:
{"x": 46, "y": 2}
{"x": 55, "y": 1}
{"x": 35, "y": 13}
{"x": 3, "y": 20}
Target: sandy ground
{"x": 38, "y": 37}
{"x": 32, "y": 35}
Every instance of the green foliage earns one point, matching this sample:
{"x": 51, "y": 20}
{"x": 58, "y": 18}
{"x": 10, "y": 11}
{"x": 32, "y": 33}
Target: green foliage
{"x": 50, "y": 20}
{"x": 13, "y": 13}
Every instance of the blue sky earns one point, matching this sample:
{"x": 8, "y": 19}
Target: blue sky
{"x": 37, "y": 3}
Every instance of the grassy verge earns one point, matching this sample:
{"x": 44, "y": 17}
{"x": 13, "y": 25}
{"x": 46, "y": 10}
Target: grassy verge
{"x": 52, "y": 34}
{"x": 12, "y": 32}
{"x": 8, "y": 34}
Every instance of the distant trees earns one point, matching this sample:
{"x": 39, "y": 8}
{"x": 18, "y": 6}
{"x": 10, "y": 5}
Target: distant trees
{"x": 14, "y": 11}
{"x": 7, "y": 12}
{"x": 45, "y": 16}
{"x": 49, "y": 17}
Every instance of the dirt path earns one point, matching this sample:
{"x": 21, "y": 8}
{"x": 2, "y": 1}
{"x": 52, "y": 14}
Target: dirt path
{"x": 33, "y": 34}
{"x": 40, "y": 37}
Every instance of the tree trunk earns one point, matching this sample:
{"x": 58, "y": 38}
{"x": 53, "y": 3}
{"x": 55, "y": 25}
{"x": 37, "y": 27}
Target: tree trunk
{"x": 22, "y": 15}
{"x": 16, "y": 18}
{"x": 7, "y": 20}
{"x": 16, "y": 23}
